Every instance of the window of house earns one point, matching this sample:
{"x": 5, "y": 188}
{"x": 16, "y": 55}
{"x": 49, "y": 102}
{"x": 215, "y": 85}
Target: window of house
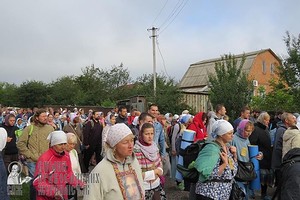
{"x": 264, "y": 67}
{"x": 272, "y": 68}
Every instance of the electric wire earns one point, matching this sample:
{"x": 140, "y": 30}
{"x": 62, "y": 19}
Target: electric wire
{"x": 159, "y": 13}
{"x": 176, "y": 7}
{"x": 174, "y": 17}
{"x": 163, "y": 60}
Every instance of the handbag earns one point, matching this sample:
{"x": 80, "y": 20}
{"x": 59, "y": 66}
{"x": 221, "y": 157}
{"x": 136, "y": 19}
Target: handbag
{"x": 245, "y": 172}
{"x": 236, "y": 192}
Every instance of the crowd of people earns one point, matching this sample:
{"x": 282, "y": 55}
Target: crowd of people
{"x": 120, "y": 155}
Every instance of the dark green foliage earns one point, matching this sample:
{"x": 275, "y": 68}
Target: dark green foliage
{"x": 65, "y": 91}
{"x": 34, "y": 94}
{"x": 285, "y": 92}
{"x": 94, "y": 87}
{"x": 230, "y": 85}
{"x": 8, "y": 94}
{"x": 168, "y": 97}
{"x": 290, "y": 70}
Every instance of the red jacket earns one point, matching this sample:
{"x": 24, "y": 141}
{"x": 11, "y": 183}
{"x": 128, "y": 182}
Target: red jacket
{"x": 53, "y": 171}
{"x": 199, "y": 127}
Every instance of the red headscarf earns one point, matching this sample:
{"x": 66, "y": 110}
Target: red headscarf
{"x": 198, "y": 126}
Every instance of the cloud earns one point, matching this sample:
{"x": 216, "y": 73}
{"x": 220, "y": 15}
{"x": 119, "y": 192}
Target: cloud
{"x": 44, "y": 40}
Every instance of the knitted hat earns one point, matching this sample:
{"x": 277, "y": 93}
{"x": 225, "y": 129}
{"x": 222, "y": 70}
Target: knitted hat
{"x": 57, "y": 137}
{"x": 221, "y": 127}
{"x": 117, "y": 133}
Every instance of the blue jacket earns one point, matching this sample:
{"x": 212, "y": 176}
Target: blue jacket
{"x": 159, "y": 138}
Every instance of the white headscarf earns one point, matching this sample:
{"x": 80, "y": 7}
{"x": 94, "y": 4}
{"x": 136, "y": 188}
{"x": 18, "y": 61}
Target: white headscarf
{"x": 117, "y": 133}
{"x": 57, "y": 137}
{"x": 221, "y": 127}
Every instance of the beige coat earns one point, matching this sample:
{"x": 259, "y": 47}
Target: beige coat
{"x": 37, "y": 141}
{"x": 291, "y": 139}
{"x": 102, "y": 183}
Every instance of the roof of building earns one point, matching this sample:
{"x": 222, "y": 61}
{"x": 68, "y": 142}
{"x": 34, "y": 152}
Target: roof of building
{"x": 197, "y": 74}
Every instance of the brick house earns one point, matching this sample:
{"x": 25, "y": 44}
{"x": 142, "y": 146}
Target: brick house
{"x": 259, "y": 65}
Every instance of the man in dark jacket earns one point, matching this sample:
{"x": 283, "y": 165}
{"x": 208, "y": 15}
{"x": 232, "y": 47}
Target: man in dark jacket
{"x": 122, "y": 115}
{"x": 287, "y": 120}
{"x": 291, "y": 175}
{"x": 92, "y": 139}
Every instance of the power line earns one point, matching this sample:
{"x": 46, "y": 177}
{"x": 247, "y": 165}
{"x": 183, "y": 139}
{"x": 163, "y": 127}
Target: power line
{"x": 157, "y": 44}
{"x": 177, "y": 6}
{"x": 159, "y": 12}
{"x": 175, "y": 16}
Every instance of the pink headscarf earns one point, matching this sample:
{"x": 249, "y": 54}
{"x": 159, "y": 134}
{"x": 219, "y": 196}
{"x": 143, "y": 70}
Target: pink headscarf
{"x": 241, "y": 128}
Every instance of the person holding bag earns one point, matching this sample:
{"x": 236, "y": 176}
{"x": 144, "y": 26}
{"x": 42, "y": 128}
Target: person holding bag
{"x": 217, "y": 164}
{"x": 241, "y": 142}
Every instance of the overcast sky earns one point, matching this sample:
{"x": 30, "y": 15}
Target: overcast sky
{"x": 46, "y": 39}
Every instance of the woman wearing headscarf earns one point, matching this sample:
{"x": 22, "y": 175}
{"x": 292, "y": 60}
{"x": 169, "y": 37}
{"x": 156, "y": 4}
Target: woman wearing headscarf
{"x": 199, "y": 126}
{"x": 75, "y": 127}
{"x": 149, "y": 158}
{"x": 241, "y": 142}
{"x": 118, "y": 175}
{"x": 53, "y": 170}
{"x": 217, "y": 164}
{"x": 261, "y": 137}
{"x": 110, "y": 120}
{"x": 10, "y": 150}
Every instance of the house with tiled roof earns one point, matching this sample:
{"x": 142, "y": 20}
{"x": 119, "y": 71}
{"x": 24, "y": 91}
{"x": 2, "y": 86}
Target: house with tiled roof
{"x": 259, "y": 65}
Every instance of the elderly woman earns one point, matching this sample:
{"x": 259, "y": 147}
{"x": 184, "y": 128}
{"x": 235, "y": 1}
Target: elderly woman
{"x": 217, "y": 164}
{"x": 53, "y": 172}
{"x": 110, "y": 120}
{"x": 118, "y": 175}
{"x": 261, "y": 137}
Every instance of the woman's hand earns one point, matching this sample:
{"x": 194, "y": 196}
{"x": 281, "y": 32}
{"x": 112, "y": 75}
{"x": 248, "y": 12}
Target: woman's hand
{"x": 232, "y": 149}
{"x": 224, "y": 158}
{"x": 260, "y": 156}
{"x": 158, "y": 172}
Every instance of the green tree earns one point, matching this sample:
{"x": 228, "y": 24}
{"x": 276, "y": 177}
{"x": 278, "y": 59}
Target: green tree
{"x": 117, "y": 81}
{"x": 289, "y": 72}
{"x": 91, "y": 86}
{"x": 8, "y": 94}
{"x": 65, "y": 91}
{"x": 230, "y": 85}
{"x": 34, "y": 93}
{"x": 168, "y": 96}
{"x": 280, "y": 98}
